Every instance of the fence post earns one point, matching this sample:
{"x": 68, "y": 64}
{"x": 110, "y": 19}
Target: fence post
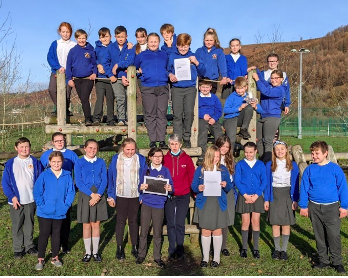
{"x": 252, "y": 89}
{"x": 132, "y": 102}
{"x": 61, "y": 98}
{"x": 194, "y": 128}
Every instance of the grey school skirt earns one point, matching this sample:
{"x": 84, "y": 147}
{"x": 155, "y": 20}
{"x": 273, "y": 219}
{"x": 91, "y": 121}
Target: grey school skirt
{"x": 211, "y": 217}
{"x": 280, "y": 210}
{"x": 231, "y": 207}
{"x": 243, "y": 207}
{"x": 86, "y": 213}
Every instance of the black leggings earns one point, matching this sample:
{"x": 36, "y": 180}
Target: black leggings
{"x": 84, "y": 88}
{"x": 49, "y": 227}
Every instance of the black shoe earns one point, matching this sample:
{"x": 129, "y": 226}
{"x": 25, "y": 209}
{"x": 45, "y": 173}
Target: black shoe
{"x": 134, "y": 251}
{"x": 32, "y": 251}
{"x": 171, "y": 257}
{"x": 244, "y": 253}
{"x": 65, "y": 250}
{"x": 283, "y": 255}
{"x": 339, "y": 268}
{"x": 214, "y": 264}
{"x": 199, "y": 161}
{"x": 321, "y": 265}
{"x": 140, "y": 260}
{"x": 276, "y": 255}
{"x": 120, "y": 255}
{"x": 256, "y": 254}
{"x": 96, "y": 122}
{"x": 225, "y": 252}
{"x": 204, "y": 264}
{"x": 97, "y": 258}
{"x": 86, "y": 258}
{"x": 88, "y": 122}
{"x": 160, "y": 263}
{"x": 180, "y": 256}
{"x": 244, "y": 133}
{"x": 122, "y": 122}
{"x": 111, "y": 123}
{"x": 163, "y": 145}
{"x": 187, "y": 143}
{"x": 18, "y": 255}
{"x": 153, "y": 145}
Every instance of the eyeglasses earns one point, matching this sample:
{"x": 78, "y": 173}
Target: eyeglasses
{"x": 272, "y": 61}
{"x": 58, "y": 141}
{"x": 275, "y": 78}
{"x": 157, "y": 156}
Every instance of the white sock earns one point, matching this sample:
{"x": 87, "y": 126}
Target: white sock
{"x": 217, "y": 242}
{"x": 95, "y": 241}
{"x": 206, "y": 240}
{"x": 87, "y": 242}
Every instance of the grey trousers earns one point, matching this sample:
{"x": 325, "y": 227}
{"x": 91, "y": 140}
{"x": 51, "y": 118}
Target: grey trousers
{"x": 155, "y": 104}
{"x": 183, "y": 101}
{"x": 266, "y": 128}
{"x": 147, "y": 215}
{"x": 52, "y": 89}
{"x": 120, "y": 93}
{"x": 203, "y": 128}
{"x": 243, "y": 121}
{"x": 23, "y": 227}
{"x": 104, "y": 88}
{"x": 326, "y": 226}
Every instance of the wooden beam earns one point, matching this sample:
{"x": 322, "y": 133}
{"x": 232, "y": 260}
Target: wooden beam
{"x": 252, "y": 126}
{"x": 132, "y": 102}
{"x": 61, "y": 98}
{"x": 194, "y": 128}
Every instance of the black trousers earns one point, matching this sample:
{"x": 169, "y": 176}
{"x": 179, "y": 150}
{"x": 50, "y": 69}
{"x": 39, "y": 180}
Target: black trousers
{"x": 49, "y": 227}
{"x": 84, "y": 88}
{"x": 52, "y": 89}
{"x": 65, "y": 230}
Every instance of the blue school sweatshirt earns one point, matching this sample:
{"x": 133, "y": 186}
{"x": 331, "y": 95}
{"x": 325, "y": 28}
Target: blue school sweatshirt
{"x": 112, "y": 174}
{"x": 100, "y": 52}
{"x": 271, "y": 98}
{"x": 123, "y": 58}
{"x": 198, "y": 179}
{"x": 8, "y": 181}
{"x": 154, "y": 68}
{"x": 54, "y": 196}
{"x": 214, "y": 62}
{"x": 170, "y": 50}
{"x": 236, "y": 69}
{"x": 185, "y": 83}
{"x": 52, "y": 57}
{"x": 153, "y": 200}
{"x": 88, "y": 174}
{"x": 232, "y": 104}
{"x": 209, "y": 105}
{"x": 81, "y": 62}
{"x": 70, "y": 158}
{"x": 324, "y": 185}
{"x": 294, "y": 182}
{"x": 250, "y": 180}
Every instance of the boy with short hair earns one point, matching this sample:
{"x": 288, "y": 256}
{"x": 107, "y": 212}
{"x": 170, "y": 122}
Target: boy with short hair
{"x": 103, "y": 87}
{"x": 324, "y": 198}
{"x": 19, "y": 177}
{"x": 169, "y": 44}
{"x": 209, "y": 113}
{"x": 117, "y": 59}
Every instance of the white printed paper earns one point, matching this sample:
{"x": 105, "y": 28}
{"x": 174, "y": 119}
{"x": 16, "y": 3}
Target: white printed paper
{"x": 212, "y": 182}
{"x": 182, "y": 69}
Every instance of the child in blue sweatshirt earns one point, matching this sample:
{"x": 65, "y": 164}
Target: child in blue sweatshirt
{"x": 152, "y": 63}
{"x": 250, "y": 179}
{"x": 54, "y": 192}
{"x": 81, "y": 63}
{"x": 184, "y": 91}
{"x": 117, "y": 59}
{"x": 103, "y": 87}
{"x": 209, "y": 113}
{"x": 169, "y": 37}
{"x": 18, "y": 179}
{"x": 324, "y": 198}
{"x": 152, "y": 208}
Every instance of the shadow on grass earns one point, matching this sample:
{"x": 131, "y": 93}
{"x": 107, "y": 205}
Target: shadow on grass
{"x": 108, "y": 230}
{"x": 302, "y": 244}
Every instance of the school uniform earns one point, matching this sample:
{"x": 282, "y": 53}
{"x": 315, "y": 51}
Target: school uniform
{"x": 250, "y": 178}
{"x": 211, "y": 105}
{"x": 53, "y": 196}
{"x": 18, "y": 180}
{"x": 172, "y": 49}
{"x": 282, "y": 189}
{"x": 154, "y": 91}
{"x": 90, "y": 177}
{"x": 323, "y": 191}
{"x": 184, "y": 96}
{"x": 152, "y": 210}
{"x": 211, "y": 212}
{"x": 56, "y": 58}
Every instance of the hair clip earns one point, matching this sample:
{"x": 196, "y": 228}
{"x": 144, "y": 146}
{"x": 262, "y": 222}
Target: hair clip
{"x": 280, "y": 143}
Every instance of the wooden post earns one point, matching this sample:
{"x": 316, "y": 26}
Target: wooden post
{"x": 132, "y": 102}
{"x": 194, "y": 128}
{"x": 252, "y": 125}
{"x": 61, "y": 98}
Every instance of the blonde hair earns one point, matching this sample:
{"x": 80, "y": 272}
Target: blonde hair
{"x": 287, "y": 157}
{"x": 208, "y": 161}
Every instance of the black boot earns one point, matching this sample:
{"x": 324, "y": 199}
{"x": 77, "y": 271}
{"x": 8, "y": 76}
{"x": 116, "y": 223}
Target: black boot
{"x": 120, "y": 255}
{"x": 134, "y": 251}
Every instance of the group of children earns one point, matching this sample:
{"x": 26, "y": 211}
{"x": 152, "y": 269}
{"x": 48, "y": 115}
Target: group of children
{"x": 249, "y": 188}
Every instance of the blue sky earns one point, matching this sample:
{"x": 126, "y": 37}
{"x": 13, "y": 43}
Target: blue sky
{"x": 34, "y": 23}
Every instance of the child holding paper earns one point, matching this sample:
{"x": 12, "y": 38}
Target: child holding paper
{"x": 211, "y": 211}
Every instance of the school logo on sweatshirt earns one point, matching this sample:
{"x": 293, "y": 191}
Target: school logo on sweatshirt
{"x": 183, "y": 166}
{"x": 31, "y": 166}
{"x": 87, "y": 55}
{"x": 214, "y": 56}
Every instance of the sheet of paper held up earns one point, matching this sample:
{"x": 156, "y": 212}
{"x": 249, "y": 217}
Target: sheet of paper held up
{"x": 182, "y": 69}
{"x": 212, "y": 180}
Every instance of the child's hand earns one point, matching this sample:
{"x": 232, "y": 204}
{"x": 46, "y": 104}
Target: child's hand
{"x": 343, "y": 212}
{"x": 95, "y": 197}
{"x": 294, "y": 205}
{"x": 223, "y": 81}
{"x": 113, "y": 79}
{"x": 242, "y": 106}
{"x": 129, "y": 45}
{"x": 254, "y": 198}
{"x": 254, "y": 104}
{"x": 144, "y": 186}
{"x": 140, "y": 71}
{"x": 211, "y": 121}
{"x": 256, "y": 77}
{"x": 62, "y": 70}
{"x": 266, "y": 205}
{"x": 193, "y": 60}
{"x": 114, "y": 69}
{"x": 15, "y": 203}
{"x": 229, "y": 80}
{"x": 125, "y": 81}
{"x": 92, "y": 202}
{"x": 168, "y": 187}
{"x": 223, "y": 184}
{"x": 172, "y": 78}
{"x": 201, "y": 187}
{"x": 251, "y": 68}
{"x": 71, "y": 84}
{"x": 286, "y": 110}
{"x": 247, "y": 198}
{"x": 206, "y": 117}
{"x": 100, "y": 69}
{"x": 304, "y": 212}
{"x": 93, "y": 76}
{"x": 111, "y": 203}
